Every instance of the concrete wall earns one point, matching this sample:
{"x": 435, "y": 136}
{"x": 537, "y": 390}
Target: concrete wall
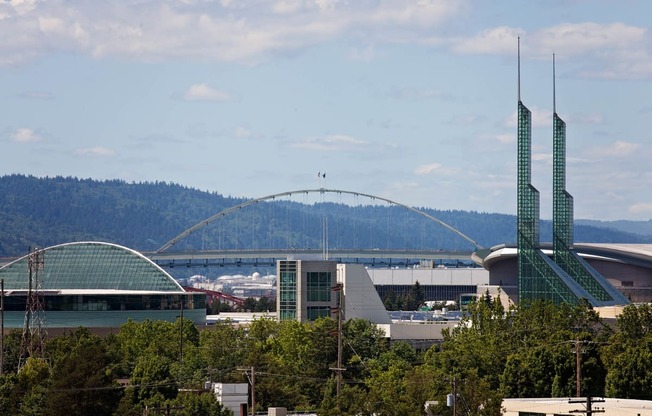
{"x": 360, "y": 297}
{"x": 416, "y": 331}
{"x": 427, "y": 277}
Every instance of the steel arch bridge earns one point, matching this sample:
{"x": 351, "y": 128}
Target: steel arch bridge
{"x": 255, "y": 201}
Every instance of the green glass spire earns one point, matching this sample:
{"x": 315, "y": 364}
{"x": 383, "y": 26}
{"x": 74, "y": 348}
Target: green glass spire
{"x": 537, "y": 277}
{"x": 562, "y": 223}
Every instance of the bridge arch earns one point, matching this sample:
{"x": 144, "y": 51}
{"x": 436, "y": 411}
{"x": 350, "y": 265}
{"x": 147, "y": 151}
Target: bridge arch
{"x": 227, "y": 211}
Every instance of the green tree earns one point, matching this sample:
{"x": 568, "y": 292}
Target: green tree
{"x": 153, "y": 376}
{"x": 387, "y": 382}
{"x": 33, "y": 382}
{"x": 390, "y": 300}
{"x": 629, "y": 376}
{"x": 82, "y": 382}
{"x": 204, "y": 404}
{"x": 160, "y": 338}
{"x": 12, "y": 350}
{"x": 628, "y": 355}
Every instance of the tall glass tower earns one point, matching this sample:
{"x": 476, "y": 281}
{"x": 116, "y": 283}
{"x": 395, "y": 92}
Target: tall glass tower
{"x": 538, "y": 276}
{"x": 562, "y": 220}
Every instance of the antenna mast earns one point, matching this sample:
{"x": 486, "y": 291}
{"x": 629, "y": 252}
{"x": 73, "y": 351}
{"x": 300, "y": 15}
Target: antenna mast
{"x": 34, "y": 332}
{"x": 519, "y": 67}
{"x": 554, "y": 99}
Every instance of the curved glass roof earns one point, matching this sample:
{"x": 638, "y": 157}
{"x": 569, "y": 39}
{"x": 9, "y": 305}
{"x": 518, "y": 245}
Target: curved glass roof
{"x": 90, "y": 265}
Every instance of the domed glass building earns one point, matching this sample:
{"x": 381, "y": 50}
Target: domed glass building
{"x": 96, "y": 285}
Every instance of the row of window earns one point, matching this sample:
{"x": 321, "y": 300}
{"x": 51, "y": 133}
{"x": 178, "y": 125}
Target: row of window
{"x": 319, "y": 286}
{"x": 315, "y": 312}
{"x": 436, "y": 293}
{"x": 110, "y": 302}
{"x": 287, "y": 292}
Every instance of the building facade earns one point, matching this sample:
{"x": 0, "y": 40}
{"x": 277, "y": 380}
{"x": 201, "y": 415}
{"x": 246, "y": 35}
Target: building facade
{"x": 305, "y": 289}
{"x": 94, "y": 285}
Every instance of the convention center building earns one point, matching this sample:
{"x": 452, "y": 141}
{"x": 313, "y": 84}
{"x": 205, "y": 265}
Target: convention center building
{"x": 93, "y": 285}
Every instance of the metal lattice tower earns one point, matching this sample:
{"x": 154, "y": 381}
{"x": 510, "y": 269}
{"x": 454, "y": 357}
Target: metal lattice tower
{"x": 537, "y": 275}
{"x": 562, "y": 219}
{"x": 34, "y": 331}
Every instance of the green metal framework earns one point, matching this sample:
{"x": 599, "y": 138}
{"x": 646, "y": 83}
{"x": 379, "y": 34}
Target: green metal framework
{"x": 538, "y": 276}
{"x": 92, "y": 265}
{"x": 562, "y": 219}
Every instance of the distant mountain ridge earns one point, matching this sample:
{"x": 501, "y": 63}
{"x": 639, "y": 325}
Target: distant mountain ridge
{"x": 40, "y": 212}
{"x": 643, "y": 228}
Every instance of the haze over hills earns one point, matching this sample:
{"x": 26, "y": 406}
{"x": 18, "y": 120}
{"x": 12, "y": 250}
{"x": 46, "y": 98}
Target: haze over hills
{"x": 39, "y": 212}
{"x": 635, "y": 227}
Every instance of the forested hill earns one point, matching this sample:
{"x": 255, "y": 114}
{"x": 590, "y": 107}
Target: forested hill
{"x": 40, "y": 212}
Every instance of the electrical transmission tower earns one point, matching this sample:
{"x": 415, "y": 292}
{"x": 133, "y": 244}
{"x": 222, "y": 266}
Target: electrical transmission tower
{"x": 34, "y": 332}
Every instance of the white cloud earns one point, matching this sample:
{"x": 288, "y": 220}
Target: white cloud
{"x": 242, "y": 132}
{"x": 21, "y": 6}
{"x": 203, "y": 92}
{"x": 609, "y": 50}
{"x": 542, "y": 157}
{"x": 434, "y": 168}
{"x": 496, "y": 41}
{"x": 616, "y": 149}
{"x": 363, "y": 55}
{"x": 247, "y": 32}
{"x": 338, "y": 142}
{"x": 255, "y": 30}
{"x": 582, "y": 118}
{"x": 588, "y": 37}
{"x": 25, "y": 135}
{"x": 95, "y": 151}
{"x": 641, "y": 208}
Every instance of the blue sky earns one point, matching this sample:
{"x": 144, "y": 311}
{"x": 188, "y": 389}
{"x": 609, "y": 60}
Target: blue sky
{"x": 413, "y": 101}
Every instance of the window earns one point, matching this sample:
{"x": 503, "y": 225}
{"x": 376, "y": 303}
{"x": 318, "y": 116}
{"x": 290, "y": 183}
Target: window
{"x": 315, "y": 312}
{"x": 319, "y": 286}
{"x": 287, "y": 294}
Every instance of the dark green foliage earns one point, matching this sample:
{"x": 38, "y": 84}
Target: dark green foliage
{"x": 527, "y": 351}
{"x": 216, "y": 306}
{"x": 41, "y": 212}
{"x": 628, "y": 355}
{"x": 409, "y": 300}
{"x": 193, "y": 404}
{"x": 259, "y": 305}
{"x": 82, "y": 383}
{"x": 12, "y": 350}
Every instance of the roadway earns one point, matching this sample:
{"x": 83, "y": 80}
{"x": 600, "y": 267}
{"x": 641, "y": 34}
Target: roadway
{"x": 372, "y": 257}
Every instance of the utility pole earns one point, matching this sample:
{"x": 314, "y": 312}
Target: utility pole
{"x": 451, "y": 399}
{"x": 253, "y": 391}
{"x": 181, "y": 333}
{"x": 339, "y": 369}
{"x": 588, "y": 403}
{"x": 2, "y": 325}
{"x": 577, "y": 368}
{"x": 454, "y": 396}
{"x": 252, "y": 381}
